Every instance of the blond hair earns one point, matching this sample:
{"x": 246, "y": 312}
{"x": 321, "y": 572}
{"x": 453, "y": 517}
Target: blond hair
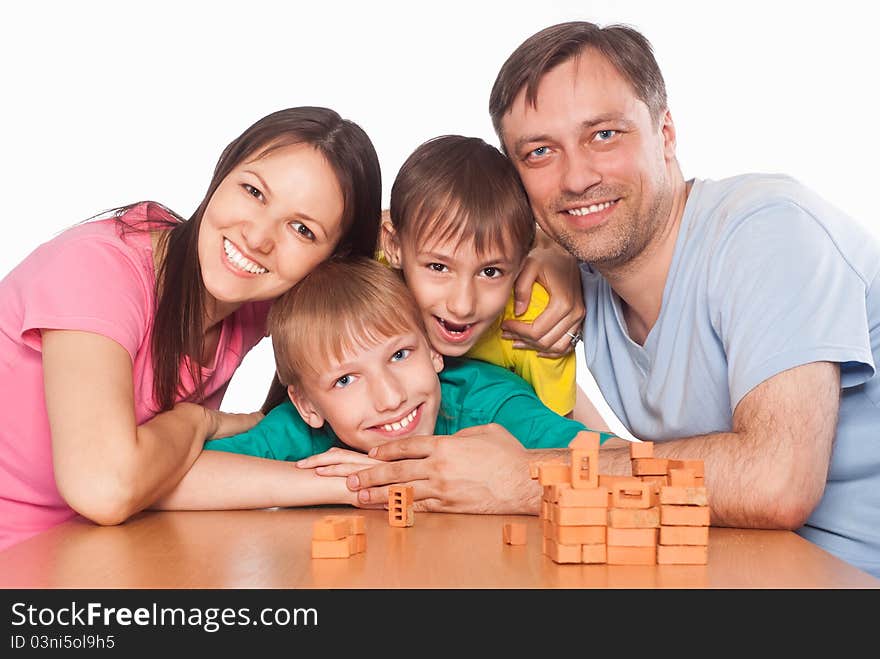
{"x": 341, "y": 306}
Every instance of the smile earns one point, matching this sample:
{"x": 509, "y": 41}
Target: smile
{"x": 240, "y": 261}
{"x": 589, "y": 210}
{"x": 402, "y": 423}
{"x": 454, "y": 332}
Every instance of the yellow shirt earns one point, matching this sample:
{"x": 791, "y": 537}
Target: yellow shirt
{"x": 554, "y": 380}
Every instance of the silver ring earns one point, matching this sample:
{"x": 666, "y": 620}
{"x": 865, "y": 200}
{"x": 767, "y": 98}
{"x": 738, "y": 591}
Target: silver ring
{"x": 575, "y": 337}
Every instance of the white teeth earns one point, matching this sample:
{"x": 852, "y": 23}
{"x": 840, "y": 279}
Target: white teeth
{"x": 403, "y": 423}
{"x": 593, "y": 208}
{"x": 240, "y": 260}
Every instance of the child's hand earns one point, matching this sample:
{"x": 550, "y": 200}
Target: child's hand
{"x": 337, "y": 462}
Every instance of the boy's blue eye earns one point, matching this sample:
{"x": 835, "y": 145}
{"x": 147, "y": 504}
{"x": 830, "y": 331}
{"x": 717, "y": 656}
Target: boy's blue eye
{"x": 401, "y": 354}
{"x": 344, "y": 381}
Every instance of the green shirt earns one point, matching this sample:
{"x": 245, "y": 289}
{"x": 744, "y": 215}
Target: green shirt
{"x": 473, "y": 393}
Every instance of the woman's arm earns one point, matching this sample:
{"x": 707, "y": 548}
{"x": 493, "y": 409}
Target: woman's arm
{"x": 106, "y": 466}
{"x": 225, "y": 481}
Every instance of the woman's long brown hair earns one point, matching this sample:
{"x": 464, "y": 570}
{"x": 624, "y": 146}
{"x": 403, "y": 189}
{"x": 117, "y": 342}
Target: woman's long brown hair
{"x": 178, "y": 329}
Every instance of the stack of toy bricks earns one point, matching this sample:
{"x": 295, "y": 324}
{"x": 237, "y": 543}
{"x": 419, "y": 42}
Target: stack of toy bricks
{"x": 659, "y": 515}
{"x": 574, "y": 509}
{"x": 339, "y": 536}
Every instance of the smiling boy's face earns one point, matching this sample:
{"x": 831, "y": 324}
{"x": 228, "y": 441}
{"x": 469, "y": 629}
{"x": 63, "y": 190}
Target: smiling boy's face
{"x": 376, "y": 394}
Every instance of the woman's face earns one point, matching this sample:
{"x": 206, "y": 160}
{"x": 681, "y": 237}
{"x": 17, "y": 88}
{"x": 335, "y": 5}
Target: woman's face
{"x": 269, "y": 222}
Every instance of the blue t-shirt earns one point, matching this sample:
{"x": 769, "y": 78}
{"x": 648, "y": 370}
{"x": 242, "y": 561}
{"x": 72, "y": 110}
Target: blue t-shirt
{"x": 472, "y": 393}
{"x": 765, "y": 276}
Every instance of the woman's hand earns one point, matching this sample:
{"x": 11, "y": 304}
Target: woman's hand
{"x": 337, "y": 462}
{"x": 551, "y": 333}
{"x": 226, "y": 424}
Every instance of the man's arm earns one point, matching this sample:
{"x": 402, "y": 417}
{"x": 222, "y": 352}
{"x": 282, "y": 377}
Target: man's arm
{"x": 768, "y": 472}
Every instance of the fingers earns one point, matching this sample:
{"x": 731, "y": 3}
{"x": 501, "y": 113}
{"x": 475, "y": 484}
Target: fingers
{"x": 419, "y": 446}
{"x": 522, "y": 287}
{"x": 341, "y": 469}
{"x": 335, "y": 456}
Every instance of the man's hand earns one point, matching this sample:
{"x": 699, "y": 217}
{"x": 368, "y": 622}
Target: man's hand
{"x": 483, "y": 469}
{"x": 551, "y": 332}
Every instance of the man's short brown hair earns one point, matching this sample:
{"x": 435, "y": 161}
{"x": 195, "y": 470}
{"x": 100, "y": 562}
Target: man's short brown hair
{"x": 624, "y": 47}
{"x": 461, "y": 188}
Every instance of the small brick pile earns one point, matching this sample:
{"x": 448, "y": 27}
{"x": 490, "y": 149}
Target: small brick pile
{"x": 659, "y": 515}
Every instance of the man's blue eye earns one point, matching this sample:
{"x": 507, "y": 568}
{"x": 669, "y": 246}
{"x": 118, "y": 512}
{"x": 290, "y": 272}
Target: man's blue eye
{"x": 540, "y": 151}
{"x": 606, "y": 134}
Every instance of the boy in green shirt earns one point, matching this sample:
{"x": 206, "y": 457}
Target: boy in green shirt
{"x": 350, "y": 346}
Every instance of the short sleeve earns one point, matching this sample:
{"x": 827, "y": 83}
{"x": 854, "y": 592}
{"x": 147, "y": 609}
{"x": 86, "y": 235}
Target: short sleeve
{"x": 89, "y": 284}
{"x": 280, "y": 435}
{"x": 782, "y": 295}
{"x": 534, "y": 424}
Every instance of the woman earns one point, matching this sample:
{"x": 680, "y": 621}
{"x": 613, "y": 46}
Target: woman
{"x": 118, "y": 337}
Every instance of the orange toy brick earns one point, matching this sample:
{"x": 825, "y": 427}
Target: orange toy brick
{"x": 585, "y": 440}
{"x": 594, "y": 553}
{"x": 594, "y": 497}
{"x": 684, "y": 535}
{"x": 632, "y": 555}
{"x": 641, "y": 450}
{"x": 633, "y": 493}
{"x": 680, "y": 555}
{"x": 330, "y": 528}
{"x": 577, "y": 535}
{"x": 400, "y": 501}
{"x": 357, "y": 524}
{"x": 684, "y": 496}
{"x": 514, "y": 533}
{"x": 331, "y": 548}
{"x": 694, "y": 465}
{"x": 584, "y": 468}
{"x": 551, "y": 473}
{"x": 682, "y": 478}
{"x": 634, "y": 518}
{"x": 563, "y": 553}
{"x": 649, "y": 466}
{"x": 578, "y": 516}
{"x": 656, "y": 481}
{"x": 631, "y": 537}
{"x": 684, "y": 515}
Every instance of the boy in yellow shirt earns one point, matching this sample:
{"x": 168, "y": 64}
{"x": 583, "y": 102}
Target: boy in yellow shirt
{"x": 460, "y": 227}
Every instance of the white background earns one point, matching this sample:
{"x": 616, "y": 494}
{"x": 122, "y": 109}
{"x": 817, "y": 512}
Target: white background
{"x": 106, "y": 103}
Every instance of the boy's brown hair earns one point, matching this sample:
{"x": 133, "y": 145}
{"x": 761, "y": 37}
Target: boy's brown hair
{"x": 461, "y": 188}
{"x": 340, "y": 306}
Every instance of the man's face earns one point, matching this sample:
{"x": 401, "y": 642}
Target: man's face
{"x": 376, "y": 394}
{"x": 596, "y": 168}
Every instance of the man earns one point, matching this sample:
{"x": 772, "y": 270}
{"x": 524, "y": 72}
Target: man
{"x": 735, "y": 321}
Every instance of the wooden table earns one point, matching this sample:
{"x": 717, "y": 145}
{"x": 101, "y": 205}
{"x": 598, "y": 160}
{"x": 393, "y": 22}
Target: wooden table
{"x": 271, "y": 549}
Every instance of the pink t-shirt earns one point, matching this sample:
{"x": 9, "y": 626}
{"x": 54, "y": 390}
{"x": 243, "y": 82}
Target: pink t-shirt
{"x": 90, "y": 278}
